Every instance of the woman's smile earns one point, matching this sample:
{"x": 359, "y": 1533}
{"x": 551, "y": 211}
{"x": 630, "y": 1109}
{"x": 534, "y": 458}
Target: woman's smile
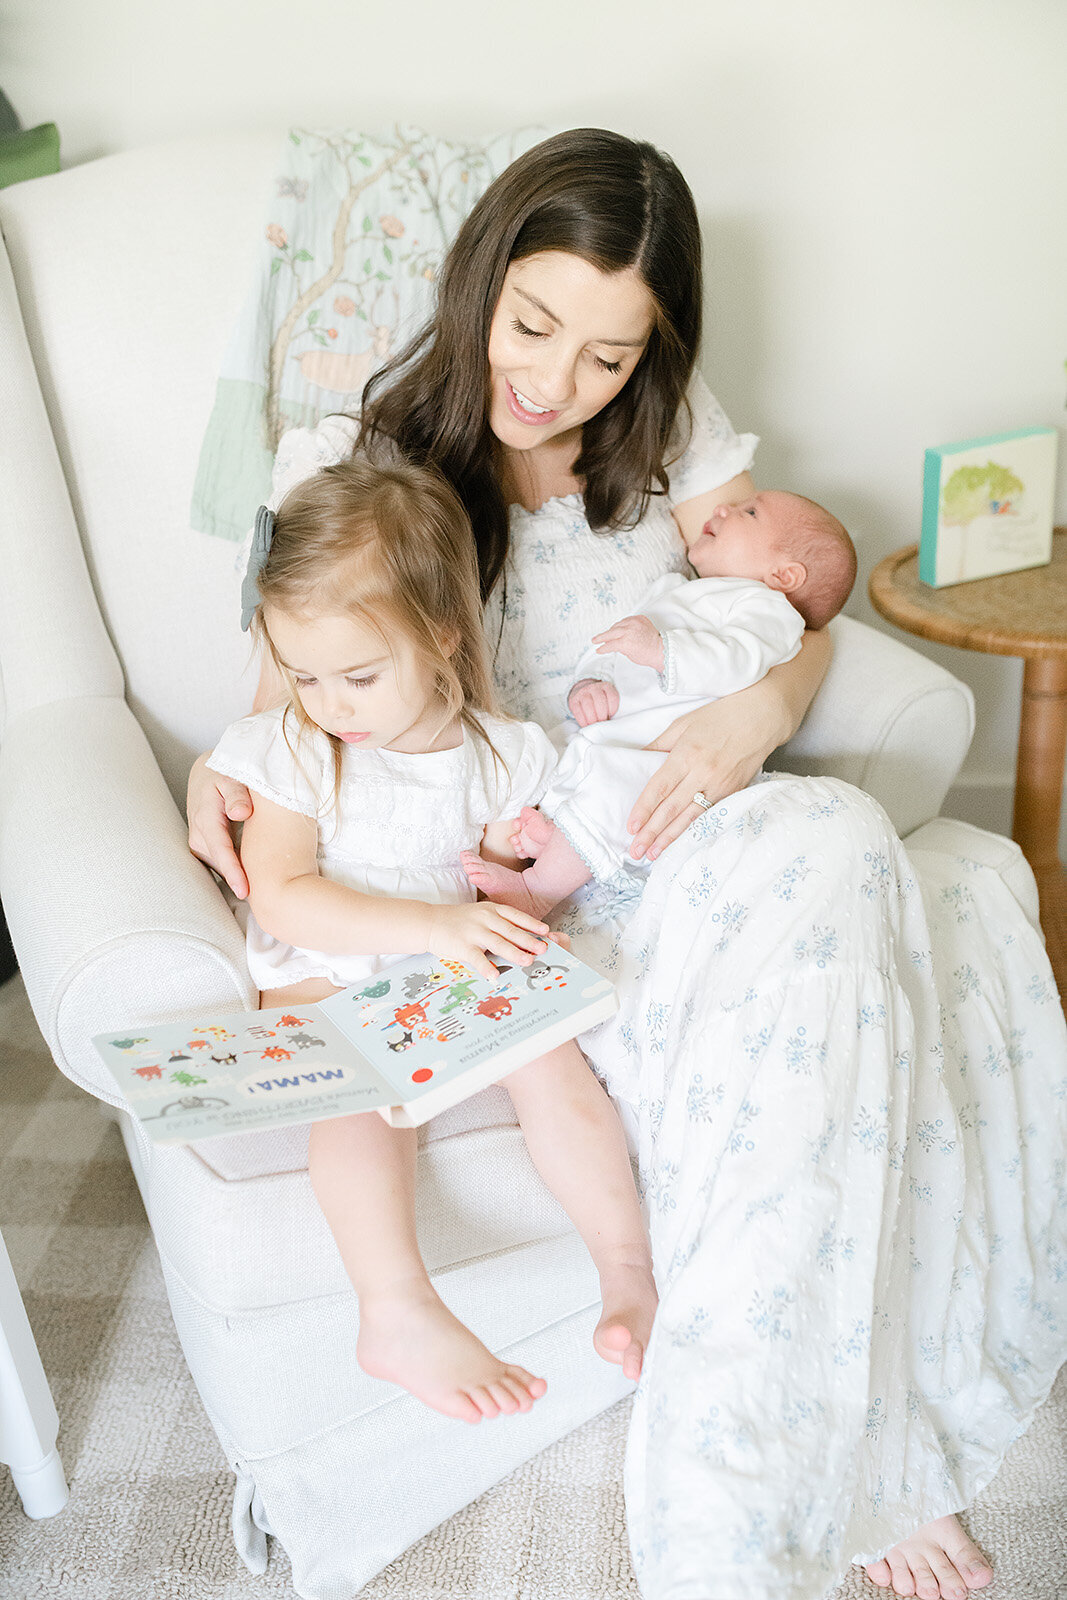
{"x": 525, "y": 410}
{"x": 564, "y": 339}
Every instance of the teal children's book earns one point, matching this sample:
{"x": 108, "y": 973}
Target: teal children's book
{"x": 988, "y": 506}
{"x": 412, "y": 1040}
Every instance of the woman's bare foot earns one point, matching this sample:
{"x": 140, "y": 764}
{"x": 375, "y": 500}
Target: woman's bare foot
{"x": 408, "y": 1336}
{"x": 532, "y": 833}
{"x": 501, "y": 884}
{"x": 937, "y": 1563}
{"x": 629, "y": 1301}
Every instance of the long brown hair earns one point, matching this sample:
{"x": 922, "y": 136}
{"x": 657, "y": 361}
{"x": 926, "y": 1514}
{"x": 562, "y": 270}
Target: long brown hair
{"x": 617, "y": 203}
{"x": 390, "y": 545}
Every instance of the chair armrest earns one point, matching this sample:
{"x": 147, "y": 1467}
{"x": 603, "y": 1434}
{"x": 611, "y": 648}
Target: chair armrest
{"x": 888, "y": 720}
{"x": 112, "y": 919}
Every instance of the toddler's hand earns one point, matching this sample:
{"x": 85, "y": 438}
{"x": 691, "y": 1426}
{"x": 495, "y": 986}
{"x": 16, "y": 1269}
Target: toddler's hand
{"x": 635, "y": 638}
{"x": 465, "y": 932}
{"x": 592, "y": 700}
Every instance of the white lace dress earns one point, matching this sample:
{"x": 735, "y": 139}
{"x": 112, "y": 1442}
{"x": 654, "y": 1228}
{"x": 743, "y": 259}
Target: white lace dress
{"x": 401, "y": 821}
{"x": 845, "y": 1075}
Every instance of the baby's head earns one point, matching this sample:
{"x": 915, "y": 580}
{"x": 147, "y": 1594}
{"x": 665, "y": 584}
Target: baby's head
{"x": 788, "y": 543}
{"x": 370, "y": 605}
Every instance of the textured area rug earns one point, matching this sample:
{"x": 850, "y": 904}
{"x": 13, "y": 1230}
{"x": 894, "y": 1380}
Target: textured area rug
{"x": 149, "y": 1511}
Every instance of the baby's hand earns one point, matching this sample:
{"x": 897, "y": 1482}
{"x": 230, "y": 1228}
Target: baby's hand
{"x": 592, "y": 700}
{"x": 635, "y": 638}
{"x": 465, "y": 932}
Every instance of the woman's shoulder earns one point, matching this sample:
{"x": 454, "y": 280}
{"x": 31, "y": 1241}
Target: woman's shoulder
{"x": 705, "y": 450}
{"x": 304, "y": 451}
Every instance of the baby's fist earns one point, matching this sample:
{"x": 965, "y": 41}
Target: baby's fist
{"x": 592, "y": 700}
{"x": 636, "y": 638}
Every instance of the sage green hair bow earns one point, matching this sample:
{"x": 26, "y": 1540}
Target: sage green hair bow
{"x": 262, "y": 536}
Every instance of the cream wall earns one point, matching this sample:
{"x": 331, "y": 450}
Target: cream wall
{"x": 881, "y": 184}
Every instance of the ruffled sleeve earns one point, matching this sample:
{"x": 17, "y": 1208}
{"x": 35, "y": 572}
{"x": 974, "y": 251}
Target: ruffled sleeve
{"x": 714, "y": 453}
{"x": 301, "y": 453}
{"x": 531, "y": 759}
{"x": 290, "y": 771}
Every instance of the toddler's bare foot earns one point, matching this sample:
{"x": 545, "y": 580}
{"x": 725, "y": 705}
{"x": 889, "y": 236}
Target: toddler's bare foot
{"x": 629, "y": 1301}
{"x": 937, "y": 1563}
{"x": 532, "y": 833}
{"x": 408, "y": 1336}
{"x": 501, "y": 884}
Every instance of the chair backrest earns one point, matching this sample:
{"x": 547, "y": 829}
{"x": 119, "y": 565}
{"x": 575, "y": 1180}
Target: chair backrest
{"x": 130, "y": 272}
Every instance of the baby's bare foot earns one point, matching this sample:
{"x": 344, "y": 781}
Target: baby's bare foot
{"x": 408, "y": 1336}
{"x": 501, "y": 884}
{"x": 937, "y": 1563}
{"x": 532, "y": 833}
{"x": 629, "y": 1301}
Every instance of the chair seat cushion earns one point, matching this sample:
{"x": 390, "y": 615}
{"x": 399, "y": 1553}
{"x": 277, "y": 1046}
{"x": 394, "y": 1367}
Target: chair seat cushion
{"x": 247, "y": 1234}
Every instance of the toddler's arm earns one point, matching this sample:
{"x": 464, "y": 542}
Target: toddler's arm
{"x": 292, "y": 903}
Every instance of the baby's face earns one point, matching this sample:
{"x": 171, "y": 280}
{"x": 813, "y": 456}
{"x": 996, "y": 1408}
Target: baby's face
{"x": 747, "y": 540}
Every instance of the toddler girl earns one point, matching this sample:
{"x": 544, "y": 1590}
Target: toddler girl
{"x": 385, "y": 763}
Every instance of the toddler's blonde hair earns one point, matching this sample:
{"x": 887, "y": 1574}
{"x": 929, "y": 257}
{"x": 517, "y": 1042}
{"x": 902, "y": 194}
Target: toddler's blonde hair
{"x": 391, "y": 546}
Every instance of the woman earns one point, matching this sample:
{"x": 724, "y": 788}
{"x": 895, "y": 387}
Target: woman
{"x": 839, "y": 1078}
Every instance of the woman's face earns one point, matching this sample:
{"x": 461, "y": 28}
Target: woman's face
{"x": 564, "y": 339}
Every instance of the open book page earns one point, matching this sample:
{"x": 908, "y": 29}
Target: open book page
{"x": 426, "y": 1025}
{"x": 422, "y": 1035}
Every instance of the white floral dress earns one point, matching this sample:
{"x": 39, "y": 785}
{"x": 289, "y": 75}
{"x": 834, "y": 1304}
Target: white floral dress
{"x": 844, "y": 1071}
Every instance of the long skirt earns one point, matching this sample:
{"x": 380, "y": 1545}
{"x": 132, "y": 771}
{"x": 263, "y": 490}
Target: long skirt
{"x": 844, "y": 1071}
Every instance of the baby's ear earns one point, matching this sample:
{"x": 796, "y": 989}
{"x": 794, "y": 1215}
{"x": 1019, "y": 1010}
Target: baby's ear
{"x": 788, "y": 576}
{"x": 449, "y": 641}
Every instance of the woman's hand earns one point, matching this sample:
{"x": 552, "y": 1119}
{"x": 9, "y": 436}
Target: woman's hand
{"x": 465, "y": 932}
{"x": 213, "y": 802}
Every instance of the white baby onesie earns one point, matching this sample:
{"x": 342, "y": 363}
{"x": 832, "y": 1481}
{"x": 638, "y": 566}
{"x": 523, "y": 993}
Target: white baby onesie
{"x": 400, "y": 824}
{"x": 719, "y": 635}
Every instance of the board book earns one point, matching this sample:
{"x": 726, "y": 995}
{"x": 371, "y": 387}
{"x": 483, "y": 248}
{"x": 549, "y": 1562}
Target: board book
{"x": 408, "y": 1042}
{"x": 988, "y": 506}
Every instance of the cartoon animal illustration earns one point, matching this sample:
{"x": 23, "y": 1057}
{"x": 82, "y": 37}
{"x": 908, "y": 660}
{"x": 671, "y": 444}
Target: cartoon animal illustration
{"x": 127, "y": 1044}
{"x": 186, "y": 1078}
{"x": 199, "y": 1044}
{"x": 458, "y": 994}
{"x": 225, "y": 1061}
{"x": 149, "y": 1072}
{"x": 417, "y": 983}
{"x": 374, "y": 991}
{"x": 452, "y": 1028}
{"x": 274, "y": 1052}
{"x": 494, "y": 1007}
{"x": 405, "y": 1042}
{"x": 409, "y": 1016}
{"x": 538, "y": 971}
{"x": 258, "y": 1031}
{"x": 215, "y": 1030}
{"x": 303, "y": 1041}
{"x": 179, "y": 1055}
{"x": 293, "y": 1022}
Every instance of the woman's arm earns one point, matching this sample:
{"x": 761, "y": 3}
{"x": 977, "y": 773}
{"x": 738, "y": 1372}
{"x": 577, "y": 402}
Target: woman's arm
{"x": 691, "y": 515}
{"x": 213, "y": 801}
{"x": 292, "y": 903}
{"x": 720, "y": 748}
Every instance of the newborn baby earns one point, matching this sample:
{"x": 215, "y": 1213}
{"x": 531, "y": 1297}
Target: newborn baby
{"x": 766, "y": 569}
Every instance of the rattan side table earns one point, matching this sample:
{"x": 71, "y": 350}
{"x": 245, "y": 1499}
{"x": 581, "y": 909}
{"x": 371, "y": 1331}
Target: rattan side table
{"x": 1015, "y": 614}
